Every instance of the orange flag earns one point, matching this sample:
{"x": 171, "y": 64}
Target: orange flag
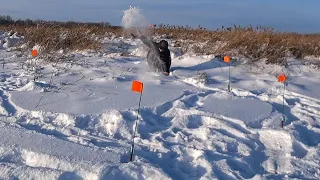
{"x": 137, "y": 86}
{"x": 226, "y": 59}
{"x": 34, "y": 53}
{"x": 282, "y": 78}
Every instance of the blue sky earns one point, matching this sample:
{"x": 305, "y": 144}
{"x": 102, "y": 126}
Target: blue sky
{"x": 284, "y": 15}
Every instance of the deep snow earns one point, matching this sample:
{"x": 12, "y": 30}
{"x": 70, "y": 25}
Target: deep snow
{"x": 79, "y": 126}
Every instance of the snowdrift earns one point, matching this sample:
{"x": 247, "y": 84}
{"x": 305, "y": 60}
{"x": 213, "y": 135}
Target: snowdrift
{"x": 76, "y": 120}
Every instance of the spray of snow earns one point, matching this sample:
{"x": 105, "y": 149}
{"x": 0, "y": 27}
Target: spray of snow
{"x": 133, "y": 19}
{"x": 112, "y": 124}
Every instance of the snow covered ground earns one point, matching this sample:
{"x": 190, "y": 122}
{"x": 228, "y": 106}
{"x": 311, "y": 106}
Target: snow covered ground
{"x": 76, "y": 120}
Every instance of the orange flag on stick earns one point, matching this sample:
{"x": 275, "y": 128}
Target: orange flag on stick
{"x": 226, "y": 59}
{"x": 282, "y": 78}
{"x": 34, "y": 53}
{"x": 137, "y": 86}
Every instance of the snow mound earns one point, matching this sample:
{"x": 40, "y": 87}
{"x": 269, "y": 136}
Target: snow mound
{"x": 251, "y": 111}
{"x": 133, "y": 171}
{"x": 9, "y": 39}
{"x": 279, "y": 147}
{"x": 33, "y": 86}
{"x": 44, "y": 157}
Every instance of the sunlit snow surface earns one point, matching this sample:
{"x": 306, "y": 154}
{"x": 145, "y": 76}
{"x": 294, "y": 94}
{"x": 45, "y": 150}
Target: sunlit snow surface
{"x": 80, "y": 125}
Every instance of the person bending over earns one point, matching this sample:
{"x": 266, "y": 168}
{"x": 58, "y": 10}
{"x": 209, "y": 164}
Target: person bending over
{"x": 158, "y": 57}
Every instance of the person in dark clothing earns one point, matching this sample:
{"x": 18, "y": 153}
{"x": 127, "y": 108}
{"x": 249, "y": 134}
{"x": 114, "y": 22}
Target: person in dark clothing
{"x": 158, "y": 57}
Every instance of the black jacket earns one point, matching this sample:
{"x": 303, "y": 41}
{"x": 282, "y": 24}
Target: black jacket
{"x": 154, "y": 52}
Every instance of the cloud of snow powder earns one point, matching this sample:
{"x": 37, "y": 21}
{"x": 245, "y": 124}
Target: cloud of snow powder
{"x": 133, "y": 19}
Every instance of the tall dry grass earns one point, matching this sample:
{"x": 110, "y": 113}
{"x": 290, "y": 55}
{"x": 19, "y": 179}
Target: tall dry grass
{"x": 55, "y": 37}
{"x": 254, "y": 43}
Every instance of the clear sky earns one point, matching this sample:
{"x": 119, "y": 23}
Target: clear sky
{"x": 284, "y": 15}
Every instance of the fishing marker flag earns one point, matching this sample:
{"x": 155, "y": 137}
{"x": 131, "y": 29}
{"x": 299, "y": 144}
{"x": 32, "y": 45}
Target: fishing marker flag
{"x": 137, "y": 86}
{"x": 226, "y": 59}
{"x": 282, "y": 78}
{"x": 34, "y": 53}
